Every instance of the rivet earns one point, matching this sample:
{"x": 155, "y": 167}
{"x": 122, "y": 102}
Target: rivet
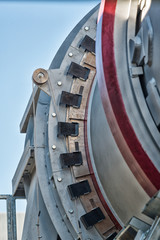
{"x": 86, "y": 28}
{"x": 71, "y": 211}
{"x": 59, "y": 83}
{"x": 70, "y": 54}
{"x": 54, "y": 114}
{"x": 59, "y": 179}
{"x": 54, "y": 147}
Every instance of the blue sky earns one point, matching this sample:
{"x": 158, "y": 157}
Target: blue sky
{"x": 30, "y": 35}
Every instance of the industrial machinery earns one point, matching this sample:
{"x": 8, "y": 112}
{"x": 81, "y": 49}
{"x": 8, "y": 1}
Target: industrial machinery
{"x": 91, "y": 163}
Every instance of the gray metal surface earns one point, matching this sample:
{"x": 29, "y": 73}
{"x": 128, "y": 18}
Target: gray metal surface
{"x": 37, "y": 222}
{"x": 113, "y": 175}
{"x": 48, "y": 190}
{"x": 11, "y": 216}
{"x": 154, "y": 231}
{"x": 45, "y": 185}
{"x": 29, "y": 110}
{"x": 66, "y": 175}
{"x": 25, "y": 166}
{"x": 66, "y": 44}
{"x": 152, "y": 208}
{"x": 40, "y": 177}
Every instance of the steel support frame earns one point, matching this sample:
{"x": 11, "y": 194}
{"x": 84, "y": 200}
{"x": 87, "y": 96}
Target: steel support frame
{"x": 11, "y": 216}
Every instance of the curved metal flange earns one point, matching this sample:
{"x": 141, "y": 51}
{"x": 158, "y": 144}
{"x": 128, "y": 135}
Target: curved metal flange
{"x": 48, "y": 190}
{"x": 64, "y": 177}
{"x": 63, "y": 213}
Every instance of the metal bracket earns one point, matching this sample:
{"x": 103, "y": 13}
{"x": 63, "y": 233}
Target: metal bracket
{"x": 71, "y": 159}
{"x": 139, "y": 224}
{"x": 71, "y": 99}
{"x": 127, "y": 233}
{"x": 153, "y": 101}
{"x": 78, "y": 71}
{"x": 78, "y": 189}
{"x": 152, "y": 208}
{"x": 68, "y": 129}
{"x": 136, "y": 71}
{"x": 91, "y": 218}
{"x": 88, "y": 44}
{"x": 141, "y": 46}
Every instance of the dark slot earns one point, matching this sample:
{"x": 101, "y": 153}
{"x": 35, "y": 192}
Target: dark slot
{"x": 78, "y": 71}
{"x": 91, "y": 218}
{"x": 71, "y": 99}
{"x": 78, "y": 189}
{"x": 88, "y": 44}
{"x": 71, "y": 159}
{"x": 68, "y": 129}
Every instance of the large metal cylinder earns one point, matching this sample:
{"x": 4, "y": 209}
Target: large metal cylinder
{"x": 91, "y": 157}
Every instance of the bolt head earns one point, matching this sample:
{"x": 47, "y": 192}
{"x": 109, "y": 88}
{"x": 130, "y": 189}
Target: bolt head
{"x": 59, "y": 179}
{"x": 86, "y": 28}
{"x": 59, "y": 83}
{"x": 54, "y": 147}
{"x": 54, "y": 114}
{"x": 70, "y": 54}
{"x": 40, "y": 75}
{"x": 71, "y": 211}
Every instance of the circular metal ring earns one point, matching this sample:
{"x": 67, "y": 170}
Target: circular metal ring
{"x": 40, "y": 76}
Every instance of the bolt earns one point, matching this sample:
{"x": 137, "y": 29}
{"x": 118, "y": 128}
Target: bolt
{"x": 59, "y": 83}
{"x": 54, "y": 114}
{"x": 86, "y": 28}
{"x": 54, "y": 147}
{"x": 71, "y": 211}
{"x": 40, "y": 75}
{"x": 70, "y": 54}
{"x": 59, "y": 179}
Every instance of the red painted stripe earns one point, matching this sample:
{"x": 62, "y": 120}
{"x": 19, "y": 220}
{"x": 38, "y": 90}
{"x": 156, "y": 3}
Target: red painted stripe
{"x": 99, "y": 193}
{"x": 112, "y": 85}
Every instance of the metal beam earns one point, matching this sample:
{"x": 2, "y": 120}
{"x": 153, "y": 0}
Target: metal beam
{"x": 11, "y": 216}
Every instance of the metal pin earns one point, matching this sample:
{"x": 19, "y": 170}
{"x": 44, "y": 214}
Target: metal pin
{"x": 59, "y": 83}
{"x": 70, "y": 54}
{"x": 54, "y": 114}
{"x": 54, "y": 147}
{"x": 86, "y": 28}
{"x": 59, "y": 179}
